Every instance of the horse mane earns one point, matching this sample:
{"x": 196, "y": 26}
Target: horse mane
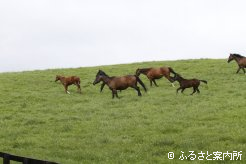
{"x": 102, "y": 73}
{"x": 142, "y": 70}
{"x": 180, "y": 76}
{"x": 238, "y": 55}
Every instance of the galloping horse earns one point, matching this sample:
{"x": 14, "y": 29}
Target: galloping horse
{"x": 120, "y": 83}
{"x": 66, "y": 81}
{"x": 157, "y": 73}
{"x": 241, "y": 61}
{"x": 100, "y": 72}
{"x": 188, "y": 83}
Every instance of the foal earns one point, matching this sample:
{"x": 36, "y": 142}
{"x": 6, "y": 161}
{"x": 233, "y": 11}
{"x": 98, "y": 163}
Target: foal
{"x": 156, "y": 73}
{"x": 188, "y": 83}
{"x": 241, "y": 61}
{"x": 120, "y": 83}
{"x": 66, "y": 81}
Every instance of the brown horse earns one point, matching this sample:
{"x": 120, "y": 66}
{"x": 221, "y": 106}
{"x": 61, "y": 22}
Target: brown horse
{"x": 120, "y": 83}
{"x": 241, "y": 61}
{"x": 188, "y": 83}
{"x": 100, "y": 72}
{"x": 156, "y": 73}
{"x": 66, "y": 81}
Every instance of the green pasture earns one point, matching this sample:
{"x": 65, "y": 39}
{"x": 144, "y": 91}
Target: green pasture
{"x": 38, "y": 120}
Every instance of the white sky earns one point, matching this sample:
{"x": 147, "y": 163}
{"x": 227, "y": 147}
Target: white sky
{"x": 39, "y": 34}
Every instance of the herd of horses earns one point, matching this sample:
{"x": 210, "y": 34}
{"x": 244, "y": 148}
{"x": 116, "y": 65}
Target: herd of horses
{"x": 118, "y": 83}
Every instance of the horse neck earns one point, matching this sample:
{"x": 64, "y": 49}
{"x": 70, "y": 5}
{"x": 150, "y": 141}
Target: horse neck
{"x": 144, "y": 70}
{"x": 237, "y": 59}
{"x": 180, "y": 79}
{"x": 106, "y": 79}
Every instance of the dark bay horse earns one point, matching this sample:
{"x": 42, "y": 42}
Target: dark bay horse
{"x": 241, "y": 61}
{"x": 156, "y": 73}
{"x": 66, "y": 81}
{"x": 188, "y": 83}
{"x": 120, "y": 83}
{"x": 100, "y": 72}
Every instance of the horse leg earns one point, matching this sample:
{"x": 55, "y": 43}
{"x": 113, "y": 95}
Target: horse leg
{"x": 102, "y": 86}
{"x": 178, "y": 90}
{"x": 155, "y": 83}
{"x": 117, "y": 94}
{"x": 238, "y": 69}
{"x": 112, "y": 93}
{"x": 66, "y": 86}
{"x": 78, "y": 86}
{"x": 137, "y": 89}
{"x": 198, "y": 91}
{"x": 65, "y": 89}
{"x": 169, "y": 78}
{"x": 194, "y": 90}
{"x": 150, "y": 82}
{"x": 243, "y": 70}
{"x": 173, "y": 85}
{"x": 182, "y": 90}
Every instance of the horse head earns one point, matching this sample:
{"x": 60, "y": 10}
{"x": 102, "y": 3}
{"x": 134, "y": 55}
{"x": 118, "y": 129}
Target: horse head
{"x": 99, "y": 75}
{"x": 98, "y": 79}
{"x": 138, "y": 72}
{"x": 177, "y": 77}
{"x": 58, "y": 77}
{"x": 231, "y": 57}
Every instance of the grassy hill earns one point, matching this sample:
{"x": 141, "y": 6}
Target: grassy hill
{"x": 40, "y": 121}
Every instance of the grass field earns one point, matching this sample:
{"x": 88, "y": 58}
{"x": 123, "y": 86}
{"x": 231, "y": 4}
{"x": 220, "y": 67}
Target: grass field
{"x": 39, "y": 120}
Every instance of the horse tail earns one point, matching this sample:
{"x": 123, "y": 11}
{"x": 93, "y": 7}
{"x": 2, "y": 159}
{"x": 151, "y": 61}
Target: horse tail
{"x": 204, "y": 81}
{"x": 141, "y": 83}
{"x": 172, "y": 71}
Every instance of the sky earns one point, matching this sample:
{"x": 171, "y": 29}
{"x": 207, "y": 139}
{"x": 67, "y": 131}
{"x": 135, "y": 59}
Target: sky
{"x": 42, "y": 34}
